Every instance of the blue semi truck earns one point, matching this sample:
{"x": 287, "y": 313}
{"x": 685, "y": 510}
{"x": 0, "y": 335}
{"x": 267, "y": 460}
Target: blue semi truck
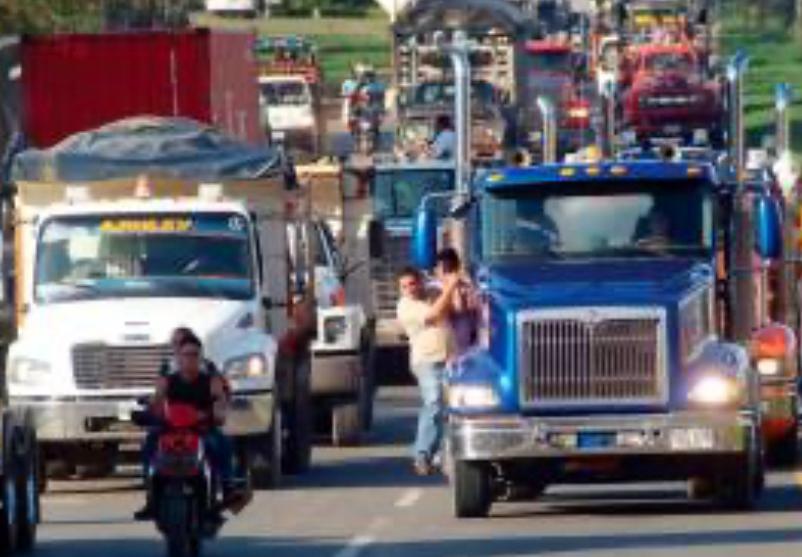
{"x": 608, "y": 348}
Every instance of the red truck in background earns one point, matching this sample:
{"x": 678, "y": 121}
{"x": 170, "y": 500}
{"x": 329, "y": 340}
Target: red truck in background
{"x": 76, "y": 82}
{"x": 554, "y": 70}
{"x": 667, "y": 94}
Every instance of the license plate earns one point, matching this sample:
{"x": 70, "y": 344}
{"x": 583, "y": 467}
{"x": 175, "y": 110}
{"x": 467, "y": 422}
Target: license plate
{"x": 672, "y": 130}
{"x": 595, "y": 440}
{"x": 279, "y": 135}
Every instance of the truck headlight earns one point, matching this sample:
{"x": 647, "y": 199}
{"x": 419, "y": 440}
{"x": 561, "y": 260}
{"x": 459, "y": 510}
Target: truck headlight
{"x": 472, "y": 396}
{"x": 715, "y": 390}
{"x": 769, "y": 367}
{"x": 250, "y": 366}
{"x": 29, "y": 371}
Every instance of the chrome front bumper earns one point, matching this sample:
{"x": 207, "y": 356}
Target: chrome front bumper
{"x": 104, "y": 419}
{"x": 502, "y": 438}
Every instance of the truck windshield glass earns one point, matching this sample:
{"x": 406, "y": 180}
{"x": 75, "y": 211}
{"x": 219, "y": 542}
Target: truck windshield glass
{"x": 552, "y": 61}
{"x": 165, "y": 255}
{"x": 669, "y": 62}
{"x": 398, "y": 193}
{"x": 443, "y": 93}
{"x": 285, "y": 93}
{"x": 645, "y": 220}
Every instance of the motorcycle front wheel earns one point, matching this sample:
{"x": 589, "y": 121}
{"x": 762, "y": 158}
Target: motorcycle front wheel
{"x": 183, "y": 540}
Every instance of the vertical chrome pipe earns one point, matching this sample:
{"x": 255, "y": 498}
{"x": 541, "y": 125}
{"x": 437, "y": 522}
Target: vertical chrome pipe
{"x": 548, "y": 115}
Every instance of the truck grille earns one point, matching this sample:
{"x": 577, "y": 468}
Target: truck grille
{"x": 384, "y": 273}
{"x": 99, "y": 366}
{"x": 592, "y": 357}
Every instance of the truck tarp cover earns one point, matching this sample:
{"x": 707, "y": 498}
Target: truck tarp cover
{"x": 171, "y": 147}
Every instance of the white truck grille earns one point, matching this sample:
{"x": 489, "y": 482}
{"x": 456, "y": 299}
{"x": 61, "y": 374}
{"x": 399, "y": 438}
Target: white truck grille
{"x": 100, "y": 366}
{"x": 593, "y": 356}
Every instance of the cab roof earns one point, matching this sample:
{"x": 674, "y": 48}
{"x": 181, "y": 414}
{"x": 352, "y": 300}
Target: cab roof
{"x": 605, "y": 172}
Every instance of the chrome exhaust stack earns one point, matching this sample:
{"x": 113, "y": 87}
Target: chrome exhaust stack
{"x": 548, "y": 115}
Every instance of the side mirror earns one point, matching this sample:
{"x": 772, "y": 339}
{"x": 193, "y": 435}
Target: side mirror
{"x": 768, "y": 228}
{"x": 424, "y": 239}
{"x": 376, "y": 239}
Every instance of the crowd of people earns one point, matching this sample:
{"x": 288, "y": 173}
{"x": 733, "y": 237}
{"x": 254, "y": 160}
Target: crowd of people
{"x": 441, "y": 320}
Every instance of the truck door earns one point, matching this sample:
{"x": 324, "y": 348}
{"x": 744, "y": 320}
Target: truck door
{"x": 329, "y": 288}
{"x": 272, "y": 251}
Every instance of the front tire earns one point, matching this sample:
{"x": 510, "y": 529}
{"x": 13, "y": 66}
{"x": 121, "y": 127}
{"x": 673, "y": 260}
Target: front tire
{"x": 471, "y": 489}
{"x": 297, "y": 455}
{"x": 8, "y": 482}
{"x": 346, "y": 425}
{"x": 740, "y": 487}
{"x": 28, "y": 507}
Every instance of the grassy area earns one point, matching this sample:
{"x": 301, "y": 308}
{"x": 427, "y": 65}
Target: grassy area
{"x": 341, "y": 40}
{"x": 775, "y": 56}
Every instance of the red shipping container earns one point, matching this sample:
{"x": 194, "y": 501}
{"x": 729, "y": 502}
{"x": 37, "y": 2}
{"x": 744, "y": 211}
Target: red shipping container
{"x": 77, "y": 82}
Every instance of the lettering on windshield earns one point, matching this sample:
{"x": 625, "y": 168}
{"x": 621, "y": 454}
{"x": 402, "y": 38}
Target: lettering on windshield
{"x": 154, "y": 225}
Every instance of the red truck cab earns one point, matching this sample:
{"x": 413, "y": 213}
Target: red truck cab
{"x": 553, "y": 72}
{"x": 666, "y": 94}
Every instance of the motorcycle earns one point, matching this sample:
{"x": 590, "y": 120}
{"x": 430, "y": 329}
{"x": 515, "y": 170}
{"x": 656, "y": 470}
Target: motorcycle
{"x": 181, "y": 484}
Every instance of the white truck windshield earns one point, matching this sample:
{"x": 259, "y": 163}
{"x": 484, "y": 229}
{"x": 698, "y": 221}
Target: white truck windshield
{"x": 165, "y": 255}
{"x": 285, "y": 93}
{"x": 651, "y": 220}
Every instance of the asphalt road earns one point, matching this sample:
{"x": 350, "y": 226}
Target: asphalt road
{"x": 365, "y": 502}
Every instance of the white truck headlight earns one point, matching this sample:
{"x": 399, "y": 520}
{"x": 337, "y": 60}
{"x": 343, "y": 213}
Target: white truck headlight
{"x": 250, "y": 366}
{"x": 715, "y": 390}
{"x": 769, "y": 367}
{"x": 472, "y": 396}
{"x": 29, "y": 371}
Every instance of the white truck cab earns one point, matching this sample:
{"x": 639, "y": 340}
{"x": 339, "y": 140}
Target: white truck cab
{"x": 103, "y": 280}
{"x": 289, "y": 111}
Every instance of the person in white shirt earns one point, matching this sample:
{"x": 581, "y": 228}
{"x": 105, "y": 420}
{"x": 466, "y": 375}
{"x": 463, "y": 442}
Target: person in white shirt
{"x": 426, "y": 323}
{"x": 445, "y": 140}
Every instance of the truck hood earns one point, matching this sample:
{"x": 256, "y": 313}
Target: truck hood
{"x": 625, "y": 282}
{"x": 132, "y": 321}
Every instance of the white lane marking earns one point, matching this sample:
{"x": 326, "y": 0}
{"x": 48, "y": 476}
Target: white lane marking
{"x": 355, "y": 546}
{"x": 358, "y": 543}
{"x": 409, "y": 498}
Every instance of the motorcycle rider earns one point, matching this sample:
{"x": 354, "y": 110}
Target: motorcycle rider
{"x": 206, "y": 393}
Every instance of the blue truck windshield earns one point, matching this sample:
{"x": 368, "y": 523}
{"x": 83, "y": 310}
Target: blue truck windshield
{"x": 163, "y": 255}
{"x": 644, "y": 220}
{"x": 398, "y": 193}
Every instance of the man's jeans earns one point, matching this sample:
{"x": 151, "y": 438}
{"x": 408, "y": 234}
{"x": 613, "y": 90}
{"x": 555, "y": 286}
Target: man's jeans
{"x": 431, "y": 416}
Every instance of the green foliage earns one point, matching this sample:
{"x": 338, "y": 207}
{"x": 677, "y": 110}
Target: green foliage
{"x": 39, "y": 16}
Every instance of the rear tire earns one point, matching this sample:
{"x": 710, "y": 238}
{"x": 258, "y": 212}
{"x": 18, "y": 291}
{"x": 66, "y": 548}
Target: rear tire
{"x": 297, "y": 455}
{"x": 346, "y": 425}
{"x": 266, "y": 471}
{"x": 471, "y": 489}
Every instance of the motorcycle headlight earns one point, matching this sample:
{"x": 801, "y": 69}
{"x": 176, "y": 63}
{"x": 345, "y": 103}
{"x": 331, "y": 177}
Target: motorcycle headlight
{"x": 716, "y": 390}
{"x": 250, "y": 366}
{"x": 29, "y": 371}
{"x": 472, "y": 396}
{"x": 769, "y": 367}
{"x": 334, "y": 328}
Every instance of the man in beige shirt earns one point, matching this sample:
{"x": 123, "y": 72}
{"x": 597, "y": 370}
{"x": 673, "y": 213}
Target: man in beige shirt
{"x": 426, "y": 324}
